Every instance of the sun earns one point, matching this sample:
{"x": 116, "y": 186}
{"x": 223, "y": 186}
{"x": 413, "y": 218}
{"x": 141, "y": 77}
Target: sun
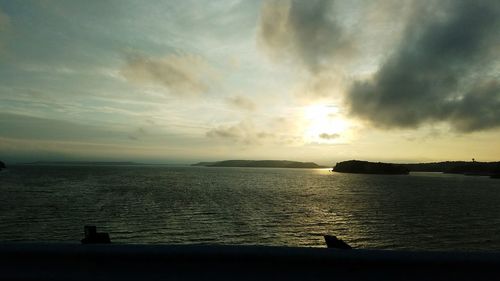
{"x": 325, "y": 124}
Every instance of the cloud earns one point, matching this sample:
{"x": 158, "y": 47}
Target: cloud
{"x": 4, "y": 21}
{"x": 303, "y": 31}
{"x": 479, "y": 109}
{"x": 308, "y": 34}
{"x": 241, "y": 102}
{"x": 243, "y": 132}
{"x": 181, "y": 75}
{"x": 445, "y": 69}
{"x": 328, "y": 83}
{"x": 232, "y": 132}
{"x": 277, "y": 131}
{"x": 329, "y": 136}
{"x": 4, "y": 28}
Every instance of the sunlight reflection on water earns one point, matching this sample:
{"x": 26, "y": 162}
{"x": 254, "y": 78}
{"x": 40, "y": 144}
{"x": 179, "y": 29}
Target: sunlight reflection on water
{"x": 293, "y": 207}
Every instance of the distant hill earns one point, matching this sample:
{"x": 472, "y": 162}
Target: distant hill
{"x": 90, "y": 163}
{"x": 259, "y": 164}
{"x": 365, "y": 167}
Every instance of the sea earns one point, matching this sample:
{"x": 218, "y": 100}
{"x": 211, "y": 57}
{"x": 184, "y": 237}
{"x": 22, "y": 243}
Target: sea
{"x": 155, "y": 204}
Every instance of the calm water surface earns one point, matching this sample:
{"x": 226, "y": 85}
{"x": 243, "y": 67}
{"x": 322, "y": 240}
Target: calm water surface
{"x": 292, "y": 207}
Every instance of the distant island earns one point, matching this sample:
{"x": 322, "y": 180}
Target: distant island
{"x": 365, "y": 167}
{"x": 2, "y": 165}
{"x": 472, "y": 168}
{"x": 89, "y": 163}
{"x": 259, "y": 164}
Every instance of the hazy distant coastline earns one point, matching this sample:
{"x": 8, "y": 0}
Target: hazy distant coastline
{"x": 89, "y": 163}
{"x": 259, "y": 164}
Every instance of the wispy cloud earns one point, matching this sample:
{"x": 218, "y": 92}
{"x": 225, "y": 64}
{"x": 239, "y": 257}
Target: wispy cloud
{"x": 308, "y": 35}
{"x": 4, "y": 28}
{"x": 241, "y": 102}
{"x": 304, "y": 32}
{"x": 243, "y": 132}
{"x": 4, "y": 21}
{"x": 180, "y": 75}
{"x": 327, "y": 136}
{"x": 278, "y": 131}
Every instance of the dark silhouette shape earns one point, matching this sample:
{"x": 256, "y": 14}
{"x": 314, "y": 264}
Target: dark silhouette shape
{"x": 335, "y": 243}
{"x": 2, "y": 165}
{"x": 94, "y": 237}
{"x": 453, "y": 167}
{"x": 476, "y": 169}
{"x": 496, "y": 173}
{"x": 365, "y": 167}
{"x": 259, "y": 164}
{"x": 59, "y": 261}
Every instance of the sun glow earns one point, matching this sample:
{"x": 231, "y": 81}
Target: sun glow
{"x": 325, "y": 124}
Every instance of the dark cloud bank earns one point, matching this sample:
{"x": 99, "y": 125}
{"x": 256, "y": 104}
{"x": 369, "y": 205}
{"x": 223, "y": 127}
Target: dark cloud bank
{"x": 440, "y": 72}
{"x": 444, "y": 69}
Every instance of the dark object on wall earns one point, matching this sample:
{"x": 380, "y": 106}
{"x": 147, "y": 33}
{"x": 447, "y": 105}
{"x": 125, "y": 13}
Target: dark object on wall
{"x": 94, "y": 237}
{"x": 335, "y": 243}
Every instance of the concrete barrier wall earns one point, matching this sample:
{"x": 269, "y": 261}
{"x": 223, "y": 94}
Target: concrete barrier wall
{"x": 22, "y": 261}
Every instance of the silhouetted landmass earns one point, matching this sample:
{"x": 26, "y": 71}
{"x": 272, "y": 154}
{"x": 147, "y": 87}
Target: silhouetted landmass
{"x": 365, "y": 167}
{"x": 2, "y": 165}
{"x": 476, "y": 169}
{"x": 472, "y": 168}
{"x": 92, "y": 163}
{"x": 435, "y": 166}
{"x": 259, "y": 164}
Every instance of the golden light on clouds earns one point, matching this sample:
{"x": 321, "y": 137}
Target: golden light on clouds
{"x": 325, "y": 124}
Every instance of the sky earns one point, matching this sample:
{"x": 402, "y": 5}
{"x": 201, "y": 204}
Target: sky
{"x": 187, "y": 81}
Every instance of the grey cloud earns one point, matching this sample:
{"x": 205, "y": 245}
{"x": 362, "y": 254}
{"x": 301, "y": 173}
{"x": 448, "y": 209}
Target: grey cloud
{"x": 180, "y": 74}
{"x": 329, "y": 136}
{"x": 478, "y": 109}
{"x": 445, "y": 69}
{"x": 304, "y": 31}
{"x": 132, "y": 137}
{"x": 4, "y": 28}
{"x": 138, "y": 134}
{"x": 232, "y": 132}
{"x": 241, "y": 103}
{"x": 244, "y": 132}
{"x": 4, "y": 21}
